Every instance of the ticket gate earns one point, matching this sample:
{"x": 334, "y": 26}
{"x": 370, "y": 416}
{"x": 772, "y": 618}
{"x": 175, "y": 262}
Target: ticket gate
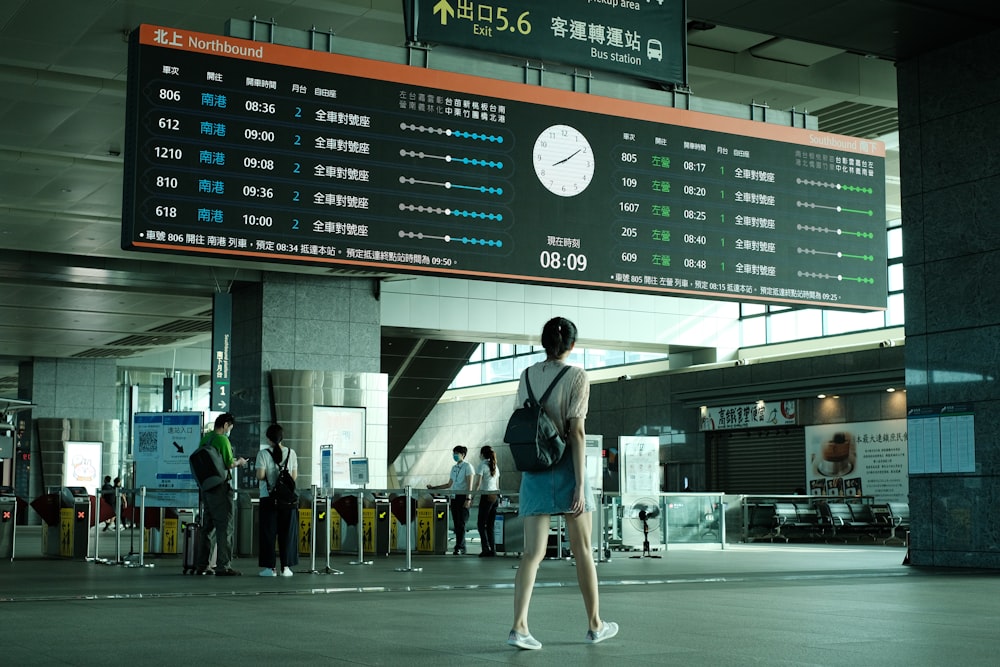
{"x": 68, "y": 515}
{"x": 8, "y": 522}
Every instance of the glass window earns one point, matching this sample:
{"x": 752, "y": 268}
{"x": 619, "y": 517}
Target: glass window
{"x": 795, "y": 325}
{"x": 470, "y": 376}
{"x": 895, "y": 237}
{"x": 894, "y": 315}
{"x": 895, "y": 278}
{"x": 491, "y": 350}
{"x": 498, "y": 370}
{"x": 838, "y": 322}
{"x": 754, "y": 331}
{"x": 640, "y": 357}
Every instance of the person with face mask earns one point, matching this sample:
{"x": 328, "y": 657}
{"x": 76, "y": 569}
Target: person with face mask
{"x": 459, "y": 480}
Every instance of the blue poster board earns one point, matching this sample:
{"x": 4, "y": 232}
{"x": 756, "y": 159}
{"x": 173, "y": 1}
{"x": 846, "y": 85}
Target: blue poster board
{"x": 161, "y": 445}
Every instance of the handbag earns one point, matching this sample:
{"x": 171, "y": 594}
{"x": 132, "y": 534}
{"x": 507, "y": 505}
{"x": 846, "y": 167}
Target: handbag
{"x": 536, "y": 443}
{"x": 284, "y": 493}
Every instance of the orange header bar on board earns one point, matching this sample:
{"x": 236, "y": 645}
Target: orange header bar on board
{"x": 333, "y": 63}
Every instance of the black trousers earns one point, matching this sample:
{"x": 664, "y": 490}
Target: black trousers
{"x": 459, "y": 517}
{"x": 277, "y": 525}
{"x": 486, "y": 521}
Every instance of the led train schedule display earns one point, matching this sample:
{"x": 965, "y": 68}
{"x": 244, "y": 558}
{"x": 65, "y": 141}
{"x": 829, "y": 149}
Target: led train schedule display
{"x": 258, "y": 151}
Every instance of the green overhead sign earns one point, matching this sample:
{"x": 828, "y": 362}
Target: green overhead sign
{"x": 645, "y": 39}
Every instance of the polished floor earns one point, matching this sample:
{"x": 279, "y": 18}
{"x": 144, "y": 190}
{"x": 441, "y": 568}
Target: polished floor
{"x": 753, "y": 604}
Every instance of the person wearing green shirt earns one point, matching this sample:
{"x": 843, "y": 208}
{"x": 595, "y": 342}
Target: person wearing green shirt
{"x": 218, "y": 516}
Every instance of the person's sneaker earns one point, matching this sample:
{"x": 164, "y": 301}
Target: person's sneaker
{"x": 607, "y": 631}
{"x": 286, "y": 572}
{"x": 228, "y": 572}
{"x": 268, "y": 572}
{"x": 205, "y": 571}
{"x": 526, "y": 642}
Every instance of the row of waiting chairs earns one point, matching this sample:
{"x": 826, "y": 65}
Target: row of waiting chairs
{"x": 829, "y": 520}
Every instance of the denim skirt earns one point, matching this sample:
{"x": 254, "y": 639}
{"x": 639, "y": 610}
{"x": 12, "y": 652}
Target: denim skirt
{"x": 551, "y": 491}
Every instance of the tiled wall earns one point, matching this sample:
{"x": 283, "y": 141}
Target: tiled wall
{"x": 949, "y": 112}
{"x": 75, "y": 399}
{"x": 325, "y": 329}
{"x": 295, "y": 392}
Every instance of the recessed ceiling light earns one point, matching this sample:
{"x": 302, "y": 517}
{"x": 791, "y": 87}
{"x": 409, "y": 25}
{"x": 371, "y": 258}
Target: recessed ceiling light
{"x": 820, "y": 395}
{"x": 891, "y": 389}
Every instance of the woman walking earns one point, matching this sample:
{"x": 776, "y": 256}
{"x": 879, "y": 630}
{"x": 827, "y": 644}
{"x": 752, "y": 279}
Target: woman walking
{"x": 562, "y": 489}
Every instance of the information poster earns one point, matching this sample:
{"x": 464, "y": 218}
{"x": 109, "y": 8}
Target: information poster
{"x": 82, "y": 465}
{"x": 858, "y": 459}
{"x": 640, "y": 464}
{"x": 942, "y": 439}
{"x": 162, "y": 443}
{"x": 338, "y": 437}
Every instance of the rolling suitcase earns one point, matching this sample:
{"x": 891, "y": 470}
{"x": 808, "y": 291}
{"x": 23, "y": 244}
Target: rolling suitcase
{"x": 192, "y": 547}
{"x": 192, "y": 537}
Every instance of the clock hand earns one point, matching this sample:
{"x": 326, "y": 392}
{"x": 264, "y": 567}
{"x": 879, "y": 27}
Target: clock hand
{"x": 566, "y": 159}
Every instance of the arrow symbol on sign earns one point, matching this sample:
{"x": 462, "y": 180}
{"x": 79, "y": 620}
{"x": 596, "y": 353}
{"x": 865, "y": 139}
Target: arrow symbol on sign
{"x": 444, "y": 8}
{"x": 222, "y": 405}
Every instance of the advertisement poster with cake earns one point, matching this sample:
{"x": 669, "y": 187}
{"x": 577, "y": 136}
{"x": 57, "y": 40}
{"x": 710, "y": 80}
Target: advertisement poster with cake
{"x": 858, "y": 459}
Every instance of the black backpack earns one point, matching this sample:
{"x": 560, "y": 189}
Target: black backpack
{"x": 284, "y": 493}
{"x": 536, "y": 443}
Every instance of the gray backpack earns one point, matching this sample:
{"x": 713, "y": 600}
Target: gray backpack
{"x": 207, "y": 467}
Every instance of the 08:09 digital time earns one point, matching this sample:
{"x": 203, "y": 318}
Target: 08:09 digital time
{"x": 552, "y": 259}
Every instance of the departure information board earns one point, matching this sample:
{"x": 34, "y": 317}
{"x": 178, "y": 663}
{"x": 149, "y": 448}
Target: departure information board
{"x": 258, "y": 151}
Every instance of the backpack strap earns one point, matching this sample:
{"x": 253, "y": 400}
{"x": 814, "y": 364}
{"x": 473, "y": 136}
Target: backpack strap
{"x": 541, "y": 403}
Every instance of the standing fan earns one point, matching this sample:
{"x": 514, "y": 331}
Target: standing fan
{"x": 639, "y": 515}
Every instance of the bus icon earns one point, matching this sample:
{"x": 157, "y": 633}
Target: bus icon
{"x": 654, "y": 50}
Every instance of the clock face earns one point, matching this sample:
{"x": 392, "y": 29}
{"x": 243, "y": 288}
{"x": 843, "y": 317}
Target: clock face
{"x": 563, "y": 160}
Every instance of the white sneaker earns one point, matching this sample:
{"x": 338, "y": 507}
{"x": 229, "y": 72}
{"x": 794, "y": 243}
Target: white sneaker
{"x": 286, "y": 572}
{"x": 526, "y": 642}
{"x": 268, "y": 572}
{"x": 607, "y": 631}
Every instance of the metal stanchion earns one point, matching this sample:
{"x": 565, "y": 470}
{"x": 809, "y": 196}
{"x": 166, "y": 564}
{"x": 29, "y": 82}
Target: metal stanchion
{"x": 142, "y": 528}
{"x": 559, "y": 531}
{"x": 722, "y": 524}
{"x": 666, "y": 525}
{"x": 409, "y": 531}
{"x": 97, "y": 535}
{"x": 361, "y": 532}
{"x": 329, "y": 510}
{"x": 118, "y": 522}
{"x": 312, "y": 534}
{"x": 603, "y": 553}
